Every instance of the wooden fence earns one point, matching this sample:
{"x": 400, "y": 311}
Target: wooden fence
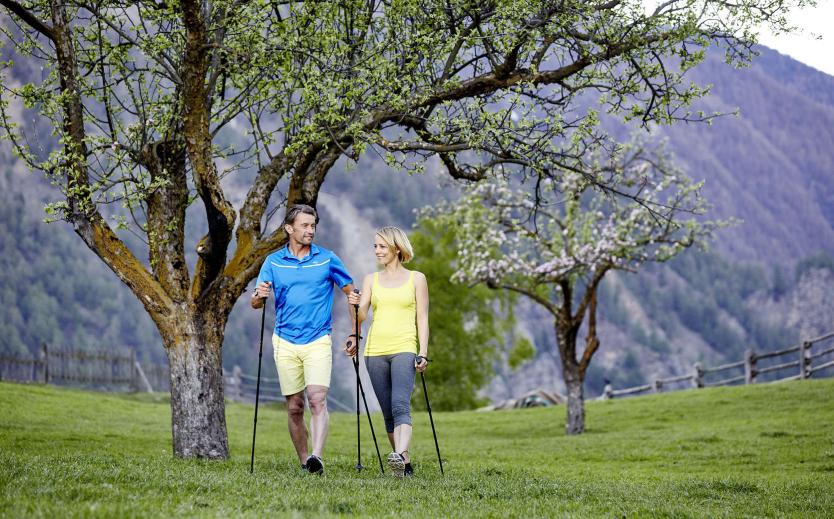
{"x": 240, "y": 387}
{"x": 119, "y": 370}
{"x": 809, "y": 358}
{"x": 116, "y": 368}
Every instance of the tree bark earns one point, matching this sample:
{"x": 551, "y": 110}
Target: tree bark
{"x": 574, "y": 376}
{"x": 198, "y": 420}
{"x": 575, "y": 385}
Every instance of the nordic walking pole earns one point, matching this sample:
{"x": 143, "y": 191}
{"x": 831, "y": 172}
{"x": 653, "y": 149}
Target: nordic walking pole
{"x": 356, "y": 368}
{"x": 370, "y": 423}
{"x": 361, "y": 389}
{"x": 434, "y": 433}
{"x": 257, "y": 390}
{"x": 358, "y": 432}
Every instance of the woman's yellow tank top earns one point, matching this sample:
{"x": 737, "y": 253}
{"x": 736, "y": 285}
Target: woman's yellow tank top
{"x": 394, "y": 328}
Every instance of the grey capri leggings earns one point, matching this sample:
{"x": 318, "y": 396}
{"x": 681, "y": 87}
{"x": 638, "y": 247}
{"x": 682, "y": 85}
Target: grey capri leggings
{"x": 393, "y": 379}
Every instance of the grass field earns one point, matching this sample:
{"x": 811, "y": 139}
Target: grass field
{"x": 755, "y": 451}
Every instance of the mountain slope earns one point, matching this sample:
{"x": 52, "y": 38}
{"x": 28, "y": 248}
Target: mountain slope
{"x": 773, "y": 166}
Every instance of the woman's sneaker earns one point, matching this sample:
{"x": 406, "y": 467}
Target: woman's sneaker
{"x": 396, "y": 463}
{"x": 409, "y": 470}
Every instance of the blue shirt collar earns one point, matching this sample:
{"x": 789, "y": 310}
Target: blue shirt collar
{"x": 285, "y": 253}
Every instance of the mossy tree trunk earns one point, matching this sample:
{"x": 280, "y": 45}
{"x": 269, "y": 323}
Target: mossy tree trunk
{"x": 198, "y": 420}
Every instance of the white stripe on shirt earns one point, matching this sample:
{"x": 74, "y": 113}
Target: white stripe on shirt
{"x": 316, "y": 264}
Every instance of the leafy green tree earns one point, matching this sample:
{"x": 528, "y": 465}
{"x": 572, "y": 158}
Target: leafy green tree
{"x": 554, "y": 239}
{"x": 157, "y": 105}
{"x": 467, "y": 324}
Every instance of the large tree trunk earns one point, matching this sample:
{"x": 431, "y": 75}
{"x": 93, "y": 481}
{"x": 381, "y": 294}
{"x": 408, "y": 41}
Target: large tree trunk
{"x": 574, "y": 383}
{"x": 198, "y": 419}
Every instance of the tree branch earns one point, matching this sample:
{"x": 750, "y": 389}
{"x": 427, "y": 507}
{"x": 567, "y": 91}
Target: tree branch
{"x": 28, "y": 18}
{"x": 500, "y": 80}
{"x": 404, "y": 146}
{"x": 250, "y": 247}
{"x": 220, "y": 214}
{"x": 590, "y": 295}
{"x": 591, "y": 340}
{"x": 550, "y": 307}
{"x": 82, "y": 213}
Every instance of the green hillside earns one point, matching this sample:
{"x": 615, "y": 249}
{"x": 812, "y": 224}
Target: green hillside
{"x": 754, "y": 451}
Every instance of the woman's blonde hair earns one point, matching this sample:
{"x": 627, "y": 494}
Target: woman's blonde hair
{"x": 396, "y": 239}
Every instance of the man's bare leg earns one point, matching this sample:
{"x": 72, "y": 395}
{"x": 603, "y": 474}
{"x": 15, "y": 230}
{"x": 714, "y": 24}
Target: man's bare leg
{"x": 320, "y": 421}
{"x": 298, "y": 429}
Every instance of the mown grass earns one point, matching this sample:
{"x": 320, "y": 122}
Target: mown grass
{"x": 764, "y": 451}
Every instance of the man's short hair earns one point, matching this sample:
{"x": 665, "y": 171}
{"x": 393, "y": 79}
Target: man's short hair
{"x": 295, "y": 210}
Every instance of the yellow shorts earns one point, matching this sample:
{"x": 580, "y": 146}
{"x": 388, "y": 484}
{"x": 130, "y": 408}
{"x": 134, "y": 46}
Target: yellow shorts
{"x": 302, "y": 365}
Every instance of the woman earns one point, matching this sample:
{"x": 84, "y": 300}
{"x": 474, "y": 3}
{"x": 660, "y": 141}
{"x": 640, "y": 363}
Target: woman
{"x": 398, "y": 339}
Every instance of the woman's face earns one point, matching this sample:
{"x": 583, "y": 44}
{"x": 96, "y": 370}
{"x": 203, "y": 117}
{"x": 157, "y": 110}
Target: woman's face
{"x": 384, "y": 254}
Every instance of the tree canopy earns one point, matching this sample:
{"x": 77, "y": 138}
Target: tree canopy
{"x": 160, "y": 104}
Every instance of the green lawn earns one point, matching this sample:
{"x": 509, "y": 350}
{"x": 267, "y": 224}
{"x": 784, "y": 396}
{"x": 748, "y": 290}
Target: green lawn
{"x": 729, "y": 452}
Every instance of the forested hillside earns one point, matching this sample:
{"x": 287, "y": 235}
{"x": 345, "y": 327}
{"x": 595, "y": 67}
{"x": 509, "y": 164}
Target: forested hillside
{"x": 764, "y": 284}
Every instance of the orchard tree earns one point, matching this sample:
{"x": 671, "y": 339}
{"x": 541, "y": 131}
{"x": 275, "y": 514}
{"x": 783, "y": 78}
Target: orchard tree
{"x": 160, "y": 104}
{"x": 554, "y": 238}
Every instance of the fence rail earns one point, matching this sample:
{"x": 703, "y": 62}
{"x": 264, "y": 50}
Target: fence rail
{"x": 120, "y": 370}
{"x": 724, "y": 367}
{"x": 111, "y": 369}
{"x": 803, "y": 363}
{"x": 240, "y": 387}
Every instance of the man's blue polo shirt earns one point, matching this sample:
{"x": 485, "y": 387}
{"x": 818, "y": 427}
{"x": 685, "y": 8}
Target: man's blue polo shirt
{"x": 303, "y": 291}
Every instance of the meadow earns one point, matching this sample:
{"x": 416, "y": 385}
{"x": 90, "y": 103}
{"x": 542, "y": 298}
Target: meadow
{"x": 752, "y": 451}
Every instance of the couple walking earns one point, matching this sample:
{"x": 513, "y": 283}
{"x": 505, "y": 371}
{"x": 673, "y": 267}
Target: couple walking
{"x": 300, "y": 276}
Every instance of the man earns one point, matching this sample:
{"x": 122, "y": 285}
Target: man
{"x": 301, "y": 277}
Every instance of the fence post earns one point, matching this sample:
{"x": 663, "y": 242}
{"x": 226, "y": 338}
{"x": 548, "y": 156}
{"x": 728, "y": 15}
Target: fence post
{"x": 657, "y": 385}
{"x": 141, "y": 378}
{"x": 237, "y": 390}
{"x": 45, "y": 359}
{"x": 804, "y": 359}
{"x": 36, "y": 366}
{"x": 749, "y": 366}
{"x": 699, "y": 375}
{"x": 607, "y": 391}
{"x": 134, "y": 376}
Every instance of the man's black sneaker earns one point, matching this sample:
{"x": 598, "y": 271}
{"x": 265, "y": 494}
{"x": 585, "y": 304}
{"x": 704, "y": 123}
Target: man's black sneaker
{"x": 314, "y": 465}
{"x": 396, "y": 463}
{"x": 409, "y": 470}
{"x": 304, "y": 467}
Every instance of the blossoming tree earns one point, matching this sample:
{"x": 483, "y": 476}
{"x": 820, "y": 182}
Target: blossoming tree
{"x": 554, "y": 238}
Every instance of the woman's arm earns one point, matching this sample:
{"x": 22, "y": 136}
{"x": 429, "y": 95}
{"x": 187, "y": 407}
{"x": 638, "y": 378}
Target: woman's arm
{"x": 422, "y": 295}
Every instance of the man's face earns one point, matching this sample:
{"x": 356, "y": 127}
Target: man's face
{"x": 302, "y": 230}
